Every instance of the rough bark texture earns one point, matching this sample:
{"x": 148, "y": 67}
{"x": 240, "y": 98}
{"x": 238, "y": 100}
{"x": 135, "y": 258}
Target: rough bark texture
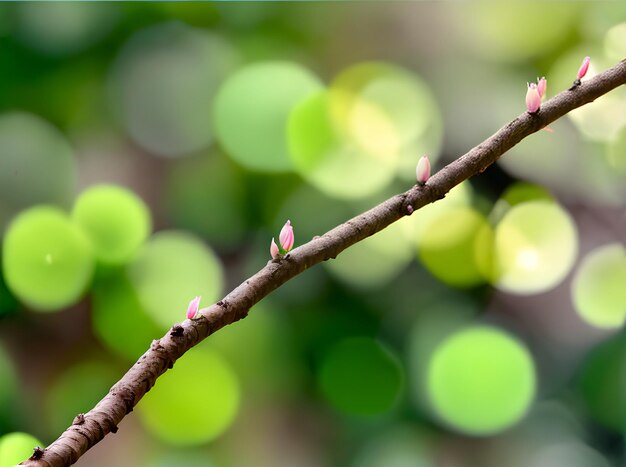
{"x": 88, "y": 429}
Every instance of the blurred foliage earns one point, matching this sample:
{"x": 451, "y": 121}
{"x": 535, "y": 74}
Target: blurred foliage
{"x": 150, "y": 151}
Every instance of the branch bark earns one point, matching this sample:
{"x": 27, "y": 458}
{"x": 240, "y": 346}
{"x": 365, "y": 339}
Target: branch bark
{"x": 90, "y": 428}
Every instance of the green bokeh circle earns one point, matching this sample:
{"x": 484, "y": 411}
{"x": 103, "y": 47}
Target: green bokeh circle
{"x": 193, "y": 403}
{"x": 361, "y": 377}
{"x": 521, "y": 192}
{"x": 115, "y": 220}
{"x": 164, "y": 83}
{"x": 616, "y": 153}
{"x": 459, "y": 256}
{"x": 481, "y": 380}
{"x": 602, "y": 384}
{"x": 382, "y": 105}
{"x": 208, "y": 183}
{"x": 599, "y": 287}
{"x": 59, "y": 28}
{"x": 375, "y": 261}
{"x": 119, "y": 320}
{"x": 169, "y": 270}
{"x": 76, "y": 390}
{"x": 388, "y": 111}
{"x": 47, "y": 260}
{"x": 536, "y": 244}
{"x": 16, "y": 447}
{"x": 251, "y": 110}
{"x": 331, "y": 163}
{"x": 36, "y": 166}
{"x": 517, "y": 31}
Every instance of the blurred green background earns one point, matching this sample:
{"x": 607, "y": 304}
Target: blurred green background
{"x": 150, "y": 151}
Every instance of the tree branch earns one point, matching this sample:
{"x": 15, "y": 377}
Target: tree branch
{"x": 90, "y": 428}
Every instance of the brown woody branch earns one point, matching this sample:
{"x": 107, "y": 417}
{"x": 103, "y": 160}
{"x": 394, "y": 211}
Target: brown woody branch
{"x": 90, "y": 428}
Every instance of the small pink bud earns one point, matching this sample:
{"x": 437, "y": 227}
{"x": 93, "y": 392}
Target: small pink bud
{"x": 533, "y": 99}
{"x": 274, "y": 250}
{"x": 193, "y": 307}
{"x": 422, "y": 171}
{"x": 582, "y": 71}
{"x": 542, "y": 83}
{"x": 286, "y": 237}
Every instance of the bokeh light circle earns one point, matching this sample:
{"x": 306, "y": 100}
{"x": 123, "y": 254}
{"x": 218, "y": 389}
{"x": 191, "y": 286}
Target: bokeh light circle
{"x": 37, "y": 164}
{"x": 387, "y": 111}
{"x": 602, "y": 384}
{"x": 444, "y": 314}
{"x": 359, "y": 376}
{"x": 517, "y": 193}
{"x": 334, "y": 165}
{"x": 521, "y": 192}
{"x": 47, "y": 260}
{"x": 616, "y": 156}
{"x": 481, "y": 380}
{"x": 417, "y": 223}
{"x": 58, "y": 28}
{"x": 252, "y": 108}
{"x": 208, "y": 183}
{"x": 265, "y": 365}
{"x": 375, "y": 261}
{"x": 115, "y": 220}
{"x": 599, "y": 287}
{"x": 169, "y": 270}
{"x": 118, "y": 318}
{"x": 536, "y": 244}
{"x": 528, "y": 161}
{"x": 601, "y": 121}
{"x": 458, "y": 256}
{"x": 615, "y": 42}
{"x": 63, "y": 401}
{"x": 17, "y": 447}
{"x": 500, "y": 31}
{"x": 382, "y": 107}
{"x": 195, "y": 402}
{"x": 164, "y": 83}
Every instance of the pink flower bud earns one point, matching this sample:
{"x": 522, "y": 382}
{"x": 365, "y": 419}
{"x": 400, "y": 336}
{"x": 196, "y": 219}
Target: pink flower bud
{"x": 582, "y": 71}
{"x": 542, "y": 83}
{"x": 193, "y": 307}
{"x": 533, "y": 99}
{"x": 286, "y": 237}
{"x": 422, "y": 171}
{"x": 274, "y": 249}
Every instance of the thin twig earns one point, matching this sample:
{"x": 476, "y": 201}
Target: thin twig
{"x": 129, "y": 390}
